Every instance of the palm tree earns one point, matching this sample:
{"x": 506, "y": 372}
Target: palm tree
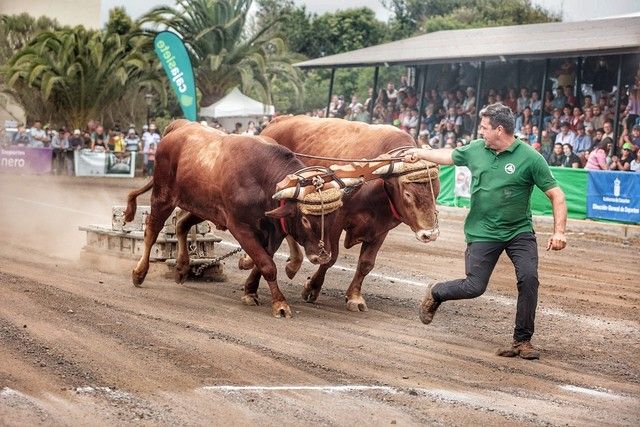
{"x": 223, "y": 53}
{"x": 85, "y": 74}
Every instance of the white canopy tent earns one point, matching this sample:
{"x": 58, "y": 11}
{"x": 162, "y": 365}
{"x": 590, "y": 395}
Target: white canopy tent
{"x": 236, "y": 107}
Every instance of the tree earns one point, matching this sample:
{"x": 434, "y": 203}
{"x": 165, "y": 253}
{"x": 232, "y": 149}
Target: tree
{"x": 224, "y": 52}
{"x": 420, "y": 16}
{"x": 119, "y": 22}
{"x": 84, "y": 74}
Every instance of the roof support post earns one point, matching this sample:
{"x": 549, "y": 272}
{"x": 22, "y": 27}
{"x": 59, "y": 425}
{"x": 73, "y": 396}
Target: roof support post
{"x": 545, "y": 77}
{"x": 374, "y": 95}
{"x": 478, "y": 97}
{"x": 333, "y": 75}
{"x": 578, "y": 87}
{"x": 423, "y": 87}
{"x": 616, "y": 130}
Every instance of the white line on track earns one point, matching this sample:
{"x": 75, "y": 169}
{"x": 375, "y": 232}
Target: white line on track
{"x": 320, "y": 388}
{"x": 591, "y": 392}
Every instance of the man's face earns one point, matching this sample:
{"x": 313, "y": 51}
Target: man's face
{"x": 489, "y": 134}
{"x": 599, "y": 135}
{"x": 390, "y": 86}
{"x": 564, "y": 129}
{"x": 635, "y": 133}
{"x": 557, "y": 149}
{"x": 534, "y": 96}
{"x": 99, "y": 130}
{"x": 523, "y": 92}
{"x": 37, "y": 125}
{"x": 607, "y": 127}
{"x": 596, "y": 111}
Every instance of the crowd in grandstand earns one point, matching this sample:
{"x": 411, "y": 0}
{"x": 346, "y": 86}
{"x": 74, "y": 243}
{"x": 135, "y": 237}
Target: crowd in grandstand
{"x": 578, "y": 128}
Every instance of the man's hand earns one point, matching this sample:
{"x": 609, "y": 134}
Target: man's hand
{"x": 411, "y": 155}
{"x": 557, "y": 242}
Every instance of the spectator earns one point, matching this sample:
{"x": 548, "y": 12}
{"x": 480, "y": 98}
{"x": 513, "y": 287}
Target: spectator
{"x": 634, "y": 138}
{"x": 565, "y": 73}
{"x": 22, "y": 138}
{"x": 430, "y": 119}
{"x": 598, "y": 117}
{"x": 560, "y": 100}
{"x": 568, "y": 93}
{"x": 60, "y": 144}
{"x": 608, "y": 129}
{"x": 511, "y": 101}
{"x": 99, "y": 139}
{"x": 392, "y": 93}
{"x": 587, "y": 120}
{"x": 582, "y": 143}
{"x": 587, "y": 102}
{"x": 251, "y": 128}
{"x": 368, "y": 103}
{"x": 341, "y": 108}
{"x": 623, "y": 162}
{"x": 535, "y": 102}
{"x": 359, "y": 114}
{"x": 576, "y": 119}
{"x": 633, "y": 107}
{"x": 634, "y": 166}
{"x": 354, "y": 102}
{"x": 148, "y": 138}
{"x": 566, "y": 136}
{"x": 546, "y": 145}
{"x": 557, "y": 156}
{"x": 150, "y": 158}
{"x": 523, "y": 100}
{"x": 382, "y": 98}
{"x": 39, "y": 136}
{"x": 132, "y": 142}
{"x": 469, "y": 104}
{"x": 118, "y": 141}
{"x": 411, "y": 120}
{"x": 548, "y": 102}
{"x": 525, "y": 119}
{"x": 566, "y": 114}
{"x": 598, "y": 157}
{"x": 570, "y": 160}
{"x": 333, "y": 106}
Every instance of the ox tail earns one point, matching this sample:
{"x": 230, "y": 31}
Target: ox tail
{"x": 132, "y": 204}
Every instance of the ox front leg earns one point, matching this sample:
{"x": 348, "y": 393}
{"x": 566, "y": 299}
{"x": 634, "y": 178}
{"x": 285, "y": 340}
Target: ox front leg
{"x": 186, "y": 220}
{"x": 313, "y": 286}
{"x": 264, "y": 264}
{"x": 155, "y": 222}
{"x": 366, "y": 261}
{"x": 295, "y": 258}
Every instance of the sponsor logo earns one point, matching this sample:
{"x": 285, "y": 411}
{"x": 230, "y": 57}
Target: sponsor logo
{"x": 509, "y": 168}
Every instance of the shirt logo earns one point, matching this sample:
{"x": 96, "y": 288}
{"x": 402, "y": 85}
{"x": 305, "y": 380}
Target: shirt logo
{"x": 509, "y": 168}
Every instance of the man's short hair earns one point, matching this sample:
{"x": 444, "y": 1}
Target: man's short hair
{"x": 500, "y": 115}
{"x": 636, "y": 127}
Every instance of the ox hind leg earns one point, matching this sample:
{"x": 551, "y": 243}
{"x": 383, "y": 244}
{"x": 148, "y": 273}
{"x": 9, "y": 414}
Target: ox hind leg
{"x": 160, "y": 211}
{"x": 262, "y": 256}
{"x": 186, "y": 220}
{"x": 366, "y": 261}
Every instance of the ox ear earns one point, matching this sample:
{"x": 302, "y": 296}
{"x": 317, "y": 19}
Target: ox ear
{"x": 287, "y": 209}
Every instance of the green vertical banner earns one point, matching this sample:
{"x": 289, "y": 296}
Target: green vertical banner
{"x": 175, "y": 60}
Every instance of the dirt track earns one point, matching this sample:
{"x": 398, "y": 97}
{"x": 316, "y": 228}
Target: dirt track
{"x": 80, "y": 345}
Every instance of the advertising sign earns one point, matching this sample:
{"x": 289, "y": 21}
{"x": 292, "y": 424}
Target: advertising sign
{"x": 93, "y": 163}
{"x": 25, "y": 160}
{"x": 614, "y": 196}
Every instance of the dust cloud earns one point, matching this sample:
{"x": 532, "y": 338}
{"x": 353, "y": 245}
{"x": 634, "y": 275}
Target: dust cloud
{"x": 42, "y": 213}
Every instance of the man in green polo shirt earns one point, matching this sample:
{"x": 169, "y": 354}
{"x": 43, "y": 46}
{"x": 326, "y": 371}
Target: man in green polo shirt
{"x": 504, "y": 171}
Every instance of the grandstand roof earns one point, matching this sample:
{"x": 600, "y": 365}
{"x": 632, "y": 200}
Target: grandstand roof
{"x": 533, "y": 41}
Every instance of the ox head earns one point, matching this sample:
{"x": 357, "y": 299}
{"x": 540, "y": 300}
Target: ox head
{"x": 308, "y": 214}
{"x": 412, "y": 189}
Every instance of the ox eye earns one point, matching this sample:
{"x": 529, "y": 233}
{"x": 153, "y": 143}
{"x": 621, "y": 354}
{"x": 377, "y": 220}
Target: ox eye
{"x": 306, "y": 224}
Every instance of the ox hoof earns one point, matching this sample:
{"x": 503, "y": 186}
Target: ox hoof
{"x": 309, "y": 294}
{"x": 281, "y": 309}
{"x": 137, "y": 278}
{"x": 250, "y": 299}
{"x": 356, "y": 304}
{"x": 180, "y": 276}
{"x": 245, "y": 263}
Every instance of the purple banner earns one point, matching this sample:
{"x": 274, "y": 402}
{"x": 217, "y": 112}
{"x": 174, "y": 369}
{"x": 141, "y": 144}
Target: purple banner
{"x": 25, "y": 160}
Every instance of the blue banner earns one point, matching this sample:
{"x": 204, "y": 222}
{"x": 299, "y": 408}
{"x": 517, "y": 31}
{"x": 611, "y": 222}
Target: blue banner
{"x": 175, "y": 60}
{"x": 614, "y": 196}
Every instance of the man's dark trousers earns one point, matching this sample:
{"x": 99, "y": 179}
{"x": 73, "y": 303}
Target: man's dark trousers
{"x": 480, "y": 259}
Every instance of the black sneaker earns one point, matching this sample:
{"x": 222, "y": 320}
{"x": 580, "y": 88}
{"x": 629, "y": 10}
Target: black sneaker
{"x": 428, "y": 306}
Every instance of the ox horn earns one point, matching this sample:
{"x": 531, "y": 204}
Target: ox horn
{"x": 286, "y": 193}
{"x": 398, "y": 167}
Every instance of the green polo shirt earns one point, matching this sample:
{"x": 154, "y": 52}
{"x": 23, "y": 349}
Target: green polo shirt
{"x": 501, "y": 189}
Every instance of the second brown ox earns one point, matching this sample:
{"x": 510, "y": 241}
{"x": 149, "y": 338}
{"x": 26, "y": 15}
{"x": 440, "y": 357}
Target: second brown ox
{"x": 230, "y": 180}
{"x": 381, "y": 205}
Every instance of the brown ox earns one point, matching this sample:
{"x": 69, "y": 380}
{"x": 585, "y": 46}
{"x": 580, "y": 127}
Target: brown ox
{"x": 381, "y": 205}
{"x": 230, "y": 180}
